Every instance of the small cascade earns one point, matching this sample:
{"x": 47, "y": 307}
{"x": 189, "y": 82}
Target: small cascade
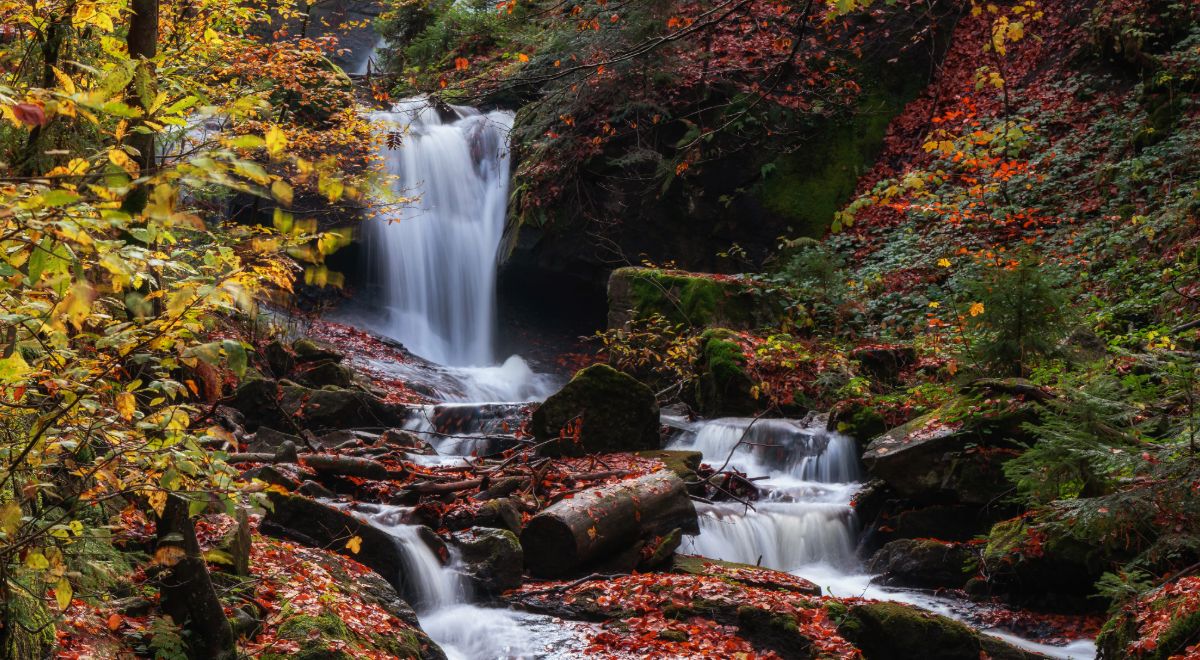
{"x": 804, "y": 516}
{"x": 435, "y": 263}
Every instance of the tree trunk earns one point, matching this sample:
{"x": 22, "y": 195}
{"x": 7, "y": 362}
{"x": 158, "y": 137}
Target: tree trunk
{"x": 188, "y": 596}
{"x": 603, "y": 521}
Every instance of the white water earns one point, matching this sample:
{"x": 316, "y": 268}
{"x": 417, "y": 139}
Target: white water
{"x": 803, "y": 523}
{"x": 435, "y": 259}
{"x": 441, "y": 596}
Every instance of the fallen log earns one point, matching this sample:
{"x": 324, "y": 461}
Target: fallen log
{"x": 600, "y": 522}
{"x": 349, "y": 466}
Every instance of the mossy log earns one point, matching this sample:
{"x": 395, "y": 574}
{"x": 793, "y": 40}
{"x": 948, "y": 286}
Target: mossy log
{"x": 600, "y": 522}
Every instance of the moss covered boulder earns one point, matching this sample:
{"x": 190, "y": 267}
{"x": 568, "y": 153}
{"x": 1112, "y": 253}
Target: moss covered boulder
{"x": 956, "y": 453}
{"x": 694, "y": 299}
{"x": 600, "y": 411}
{"x": 896, "y": 631}
{"x": 1039, "y": 565}
{"x": 724, "y": 388}
{"x": 1162, "y": 624}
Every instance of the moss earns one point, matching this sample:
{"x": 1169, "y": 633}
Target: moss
{"x": 692, "y": 299}
{"x": 682, "y": 463}
{"x": 1183, "y": 632}
{"x": 724, "y": 387}
{"x": 313, "y": 632}
{"x": 884, "y": 631}
{"x": 807, "y": 187}
{"x": 405, "y": 644}
{"x": 615, "y": 413}
{"x": 32, "y": 636}
{"x": 680, "y": 298}
{"x": 672, "y": 635}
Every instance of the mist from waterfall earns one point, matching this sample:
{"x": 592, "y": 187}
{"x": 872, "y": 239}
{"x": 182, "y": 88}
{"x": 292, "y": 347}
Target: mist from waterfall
{"x": 434, "y": 260}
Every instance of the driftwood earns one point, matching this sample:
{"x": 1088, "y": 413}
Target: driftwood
{"x": 600, "y": 522}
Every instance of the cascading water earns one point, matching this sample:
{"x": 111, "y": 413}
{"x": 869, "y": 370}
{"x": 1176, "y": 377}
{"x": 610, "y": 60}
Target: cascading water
{"x": 436, "y": 265}
{"x": 805, "y": 515}
{"x": 441, "y": 596}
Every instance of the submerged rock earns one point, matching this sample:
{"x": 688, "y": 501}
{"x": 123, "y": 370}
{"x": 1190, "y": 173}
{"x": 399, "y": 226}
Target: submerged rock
{"x": 600, "y": 411}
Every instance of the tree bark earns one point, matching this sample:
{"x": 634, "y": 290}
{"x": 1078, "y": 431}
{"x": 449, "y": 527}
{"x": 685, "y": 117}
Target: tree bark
{"x": 188, "y": 596}
{"x": 603, "y": 521}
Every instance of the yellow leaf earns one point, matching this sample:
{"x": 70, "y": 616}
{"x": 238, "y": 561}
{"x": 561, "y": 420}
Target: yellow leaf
{"x": 276, "y": 141}
{"x": 354, "y": 544}
{"x": 944, "y": 262}
{"x": 62, "y": 593}
{"x": 126, "y": 404}
{"x": 122, "y": 160}
{"x": 10, "y": 518}
{"x": 591, "y": 532}
{"x": 282, "y": 192}
{"x": 13, "y": 368}
{"x": 522, "y": 57}
{"x": 36, "y": 561}
{"x": 976, "y": 309}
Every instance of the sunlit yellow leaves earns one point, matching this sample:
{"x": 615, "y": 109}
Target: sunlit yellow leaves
{"x": 276, "y": 141}
{"x": 976, "y": 309}
{"x": 121, "y": 159}
{"x": 10, "y": 518}
{"x": 943, "y": 262}
{"x": 62, "y": 593}
{"x": 282, "y": 192}
{"x": 522, "y": 57}
{"x": 354, "y": 544}
{"x": 126, "y": 405}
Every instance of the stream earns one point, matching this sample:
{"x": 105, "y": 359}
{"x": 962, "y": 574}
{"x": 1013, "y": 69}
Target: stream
{"x": 432, "y": 288}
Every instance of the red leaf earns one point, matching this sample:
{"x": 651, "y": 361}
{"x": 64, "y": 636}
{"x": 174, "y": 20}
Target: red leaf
{"x": 30, "y": 113}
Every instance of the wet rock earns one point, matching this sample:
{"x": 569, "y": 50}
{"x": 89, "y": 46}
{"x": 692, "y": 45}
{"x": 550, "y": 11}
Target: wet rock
{"x": 949, "y": 522}
{"x": 279, "y": 359}
{"x": 492, "y": 558}
{"x": 499, "y": 513}
{"x": 315, "y": 490}
{"x": 408, "y": 441}
{"x": 318, "y": 525}
{"x": 745, "y": 574}
{"x": 276, "y": 475}
{"x": 683, "y": 463}
{"x": 600, "y": 411}
{"x": 923, "y": 563}
{"x": 895, "y": 631}
{"x": 307, "y": 350}
{"x": 858, "y": 420}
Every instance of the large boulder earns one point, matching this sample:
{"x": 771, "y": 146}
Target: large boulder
{"x": 956, "y": 453}
{"x": 492, "y": 558}
{"x": 600, "y": 411}
{"x": 694, "y": 299}
{"x": 1160, "y": 624}
{"x": 282, "y": 404}
{"x": 896, "y": 631}
{"x": 923, "y": 563}
{"x": 1039, "y": 565}
{"x": 318, "y": 525}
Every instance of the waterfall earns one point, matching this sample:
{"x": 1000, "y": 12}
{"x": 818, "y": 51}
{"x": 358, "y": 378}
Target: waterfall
{"x": 435, "y": 260}
{"x": 804, "y": 516}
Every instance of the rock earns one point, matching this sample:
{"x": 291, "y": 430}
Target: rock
{"x": 499, "y": 513}
{"x": 1172, "y": 631}
{"x": 745, "y": 574}
{"x": 885, "y": 362}
{"x": 1035, "y": 565}
{"x": 315, "y": 490}
{"x": 279, "y": 358}
{"x": 683, "y": 463}
{"x": 948, "y": 522}
{"x": 856, "y": 419}
{"x": 724, "y": 389}
{"x": 611, "y": 411}
{"x": 492, "y": 558}
{"x": 276, "y": 475}
{"x": 267, "y": 440}
{"x": 307, "y": 350}
{"x": 408, "y": 441}
{"x": 326, "y": 373}
{"x": 318, "y": 525}
{"x": 956, "y": 453}
{"x": 281, "y": 404}
{"x": 695, "y": 299}
{"x": 924, "y": 563}
{"x": 895, "y": 631}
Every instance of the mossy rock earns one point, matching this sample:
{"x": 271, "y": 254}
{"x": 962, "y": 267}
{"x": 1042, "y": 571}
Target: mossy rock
{"x": 600, "y": 411}
{"x": 683, "y": 463}
{"x": 744, "y": 574}
{"x": 857, "y": 419}
{"x": 1037, "y": 565}
{"x": 492, "y": 557}
{"x": 896, "y": 631}
{"x": 30, "y": 631}
{"x": 923, "y": 563}
{"x": 314, "y": 633}
{"x": 1120, "y": 631}
{"x": 724, "y": 388}
{"x": 697, "y": 300}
